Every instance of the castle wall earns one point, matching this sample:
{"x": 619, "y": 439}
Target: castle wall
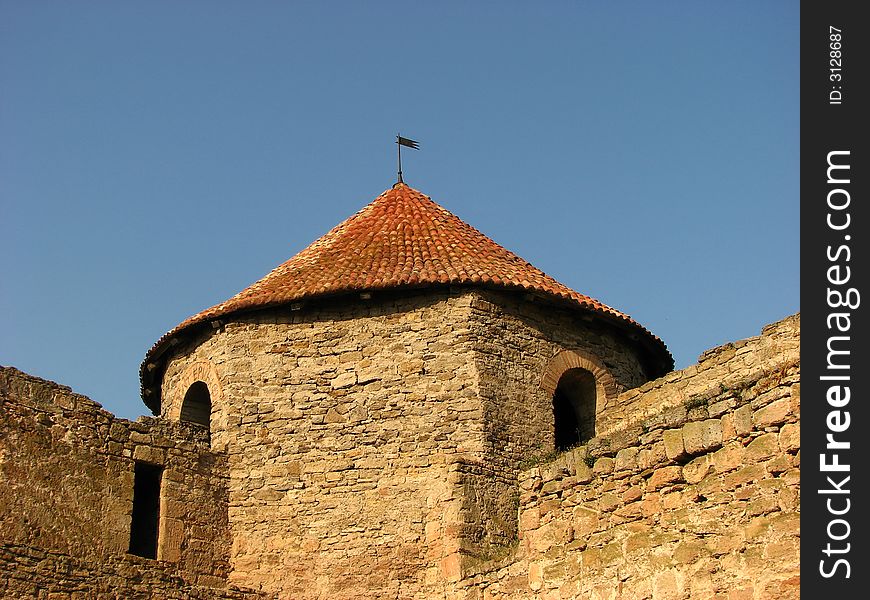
{"x": 355, "y": 454}
{"x": 67, "y": 471}
{"x": 699, "y": 499}
{"x": 347, "y": 426}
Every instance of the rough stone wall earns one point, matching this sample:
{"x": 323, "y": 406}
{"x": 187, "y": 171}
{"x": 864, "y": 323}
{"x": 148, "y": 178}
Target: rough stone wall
{"x": 515, "y": 342}
{"x": 347, "y": 426}
{"x": 44, "y": 575}
{"x": 359, "y": 451}
{"x": 699, "y": 499}
{"x": 66, "y": 470}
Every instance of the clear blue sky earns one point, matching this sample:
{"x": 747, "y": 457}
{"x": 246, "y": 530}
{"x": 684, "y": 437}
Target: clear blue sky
{"x": 157, "y": 157}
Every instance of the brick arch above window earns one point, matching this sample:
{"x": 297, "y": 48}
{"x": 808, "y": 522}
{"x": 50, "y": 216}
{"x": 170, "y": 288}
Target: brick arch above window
{"x": 200, "y": 370}
{"x": 574, "y": 359}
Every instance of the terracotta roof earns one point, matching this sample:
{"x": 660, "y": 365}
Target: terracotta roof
{"x": 401, "y": 239}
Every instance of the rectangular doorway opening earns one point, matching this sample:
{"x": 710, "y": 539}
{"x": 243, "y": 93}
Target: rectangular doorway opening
{"x": 146, "y": 510}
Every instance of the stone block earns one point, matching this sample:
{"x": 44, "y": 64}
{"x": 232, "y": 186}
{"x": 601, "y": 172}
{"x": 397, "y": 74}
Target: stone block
{"x": 171, "y": 539}
{"x": 673, "y": 440}
{"x": 666, "y": 586}
{"x": 542, "y": 539}
{"x": 651, "y": 504}
{"x": 701, "y": 436}
{"x": 333, "y": 416}
{"x": 778, "y": 465}
{"x": 695, "y": 470}
{"x": 603, "y": 466}
{"x": 585, "y": 521}
{"x": 774, "y": 413}
{"x": 554, "y": 504}
{"x": 551, "y": 487}
{"x": 729, "y": 457}
{"x": 652, "y": 456}
{"x": 718, "y": 409}
{"x": 626, "y": 459}
{"x": 664, "y": 476}
{"x": 155, "y": 456}
{"x": 530, "y": 519}
{"x": 762, "y": 448}
{"x": 140, "y": 438}
{"x": 790, "y": 437}
{"x": 633, "y": 493}
{"x": 608, "y": 502}
{"x": 745, "y": 475}
{"x": 451, "y": 567}
{"x": 536, "y": 576}
{"x": 674, "y": 416}
{"x": 672, "y": 500}
{"x": 343, "y": 380}
{"x": 583, "y": 473}
{"x": 638, "y": 541}
{"x": 743, "y": 420}
{"x": 688, "y": 551}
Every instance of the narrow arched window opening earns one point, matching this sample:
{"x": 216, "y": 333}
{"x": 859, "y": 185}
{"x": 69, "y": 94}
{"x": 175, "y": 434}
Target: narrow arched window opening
{"x": 196, "y": 406}
{"x": 574, "y": 408}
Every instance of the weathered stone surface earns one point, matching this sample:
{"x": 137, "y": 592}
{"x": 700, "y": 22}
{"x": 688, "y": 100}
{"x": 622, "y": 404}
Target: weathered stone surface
{"x": 664, "y": 476}
{"x": 774, "y": 413}
{"x": 371, "y": 450}
{"x": 714, "y": 523}
{"x": 69, "y": 534}
{"x": 700, "y": 436}
{"x": 762, "y": 448}
{"x": 626, "y": 459}
{"x": 790, "y": 437}
{"x": 742, "y": 420}
{"x": 674, "y": 447}
{"x": 603, "y": 466}
{"x": 695, "y": 470}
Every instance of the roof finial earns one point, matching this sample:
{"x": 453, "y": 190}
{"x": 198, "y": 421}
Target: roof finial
{"x": 400, "y": 141}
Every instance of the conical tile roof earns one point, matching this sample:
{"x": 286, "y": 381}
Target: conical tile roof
{"x": 401, "y": 239}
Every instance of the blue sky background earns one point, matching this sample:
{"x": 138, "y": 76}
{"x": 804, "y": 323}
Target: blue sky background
{"x": 157, "y": 157}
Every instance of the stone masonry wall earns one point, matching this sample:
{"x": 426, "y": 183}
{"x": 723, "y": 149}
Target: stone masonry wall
{"x": 66, "y": 470}
{"x": 346, "y": 426}
{"x": 699, "y": 499}
{"x": 514, "y": 343}
{"x": 371, "y": 450}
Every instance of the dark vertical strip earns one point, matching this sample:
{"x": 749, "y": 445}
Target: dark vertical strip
{"x": 835, "y": 225}
{"x": 146, "y": 510}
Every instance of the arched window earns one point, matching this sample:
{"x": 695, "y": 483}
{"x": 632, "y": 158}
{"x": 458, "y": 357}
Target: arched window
{"x": 196, "y": 407}
{"x": 574, "y": 408}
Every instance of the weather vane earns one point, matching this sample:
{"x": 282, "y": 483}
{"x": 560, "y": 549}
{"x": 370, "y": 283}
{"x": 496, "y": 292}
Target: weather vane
{"x": 400, "y": 141}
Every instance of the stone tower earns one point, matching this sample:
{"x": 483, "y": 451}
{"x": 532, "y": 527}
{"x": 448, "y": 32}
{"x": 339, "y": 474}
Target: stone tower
{"x": 376, "y": 394}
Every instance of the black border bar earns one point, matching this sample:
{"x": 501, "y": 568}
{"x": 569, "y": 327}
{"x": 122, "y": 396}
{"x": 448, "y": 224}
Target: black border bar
{"x": 835, "y": 300}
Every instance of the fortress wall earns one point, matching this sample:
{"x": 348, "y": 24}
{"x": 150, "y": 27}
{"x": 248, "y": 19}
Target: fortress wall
{"x": 346, "y": 425}
{"x": 39, "y": 574}
{"x": 699, "y": 500}
{"x": 729, "y": 366}
{"x": 67, "y": 472}
{"x": 347, "y": 468}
